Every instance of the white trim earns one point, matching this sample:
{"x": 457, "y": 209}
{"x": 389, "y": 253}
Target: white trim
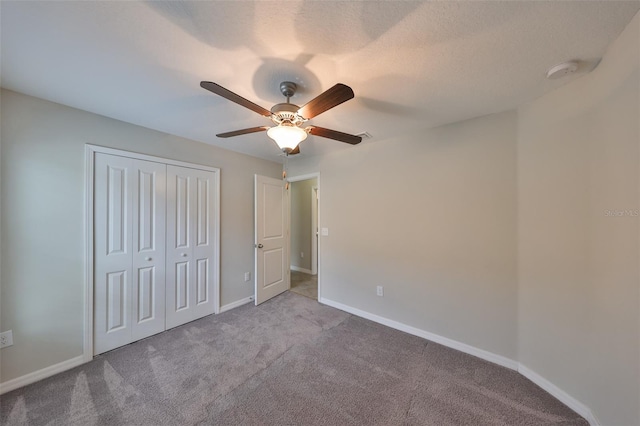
{"x": 314, "y": 230}
{"x": 255, "y": 238}
{"x": 236, "y": 304}
{"x": 299, "y": 269}
{"x": 216, "y": 244}
{"x": 559, "y": 394}
{"x": 304, "y": 177}
{"x": 555, "y": 391}
{"x": 462, "y": 347}
{"x": 87, "y": 342}
{"x": 35, "y": 376}
{"x": 139, "y": 156}
{"x": 90, "y": 151}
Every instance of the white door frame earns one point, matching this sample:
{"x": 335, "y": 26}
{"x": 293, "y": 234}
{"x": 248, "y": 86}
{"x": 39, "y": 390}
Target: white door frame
{"x": 315, "y": 233}
{"x": 89, "y": 154}
{"x": 307, "y": 177}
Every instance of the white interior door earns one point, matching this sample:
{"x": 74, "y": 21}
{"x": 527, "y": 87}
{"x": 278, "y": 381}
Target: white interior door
{"x": 271, "y": 236}
{"x": 190, "y": 245}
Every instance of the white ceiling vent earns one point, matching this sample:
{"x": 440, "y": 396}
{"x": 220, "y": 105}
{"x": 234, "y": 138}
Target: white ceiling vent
{"x": 562, "y": 70}
{"x": 364, "y": 135}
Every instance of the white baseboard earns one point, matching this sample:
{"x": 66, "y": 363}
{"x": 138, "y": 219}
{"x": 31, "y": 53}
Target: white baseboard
{"x": 559, "y": 394}
{"x": 235, "y": 304}
{"x": 545, "y": 384}
{"x": 27, "y": 379}
{"x": 299, "y": 269}
{"x": 454, "y": 344}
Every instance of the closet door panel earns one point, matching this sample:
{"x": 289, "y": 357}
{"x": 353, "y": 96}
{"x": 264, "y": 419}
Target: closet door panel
{"x": 190, "y": 244}
{"x": 149, "y": 216}
{"x": 180, "y": 236}
{"x": 204, "y": 237}
{"x": 113, "y": 246}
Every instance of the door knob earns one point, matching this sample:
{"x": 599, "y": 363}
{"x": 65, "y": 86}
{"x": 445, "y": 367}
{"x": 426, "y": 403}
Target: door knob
{"x": 184, "y": 254}
{"x": 148, "y": 259}
{"x": 259, "y": 246}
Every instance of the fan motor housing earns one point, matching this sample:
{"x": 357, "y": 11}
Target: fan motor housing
{"x": 288, "y": 88}
{"x": 284, "y": 107}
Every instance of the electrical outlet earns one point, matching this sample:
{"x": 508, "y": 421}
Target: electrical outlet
{"x": 302, "y": 254}
{"x": 6, "y": 339}
{"x": 380, "y": 290}
{"x": 247, "y": 276}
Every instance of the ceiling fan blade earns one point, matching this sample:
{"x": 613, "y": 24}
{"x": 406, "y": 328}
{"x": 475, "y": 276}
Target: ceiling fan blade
{"x": 334, "y": 134}
{"x": 228, "y": 94}
{"x": 295, "y": 151}
{"x": 328, "y": 99}
{"x": 242, "y": 132}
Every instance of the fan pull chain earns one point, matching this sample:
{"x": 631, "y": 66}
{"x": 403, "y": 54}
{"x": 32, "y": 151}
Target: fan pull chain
{"x": 285, "y": 165}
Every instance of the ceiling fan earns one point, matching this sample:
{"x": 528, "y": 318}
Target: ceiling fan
{"x": 289, "y": 118}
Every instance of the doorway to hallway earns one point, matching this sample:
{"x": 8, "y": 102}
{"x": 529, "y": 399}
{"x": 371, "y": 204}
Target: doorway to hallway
{"x": 303, "y": 237}
{"x": 304, "y": 284}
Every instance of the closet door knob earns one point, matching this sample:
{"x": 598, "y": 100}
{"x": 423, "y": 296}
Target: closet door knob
{"x": 184, "y": 254}
{"x": 148, "y": 259}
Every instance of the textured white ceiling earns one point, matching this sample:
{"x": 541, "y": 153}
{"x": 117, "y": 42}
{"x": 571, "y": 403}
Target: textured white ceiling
{"x": 412, "y": 65}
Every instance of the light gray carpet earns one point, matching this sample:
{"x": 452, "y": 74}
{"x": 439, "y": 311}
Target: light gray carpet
{"x": 304, "y": 284}
{"x": 290, "y": 361}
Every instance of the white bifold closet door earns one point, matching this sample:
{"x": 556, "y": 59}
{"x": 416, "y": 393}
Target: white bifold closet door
{"x": 190, "y": 245}
{"x": 129, "y": 244}
{"x": 155, "y": 241}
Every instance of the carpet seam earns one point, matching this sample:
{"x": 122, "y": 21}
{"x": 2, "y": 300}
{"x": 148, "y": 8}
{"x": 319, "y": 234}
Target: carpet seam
{"x": 206, "y": 408}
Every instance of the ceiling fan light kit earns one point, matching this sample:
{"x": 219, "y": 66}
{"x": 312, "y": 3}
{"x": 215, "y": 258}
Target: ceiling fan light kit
{"x": 287, "y": 136}
{"x": 289, "y": 118}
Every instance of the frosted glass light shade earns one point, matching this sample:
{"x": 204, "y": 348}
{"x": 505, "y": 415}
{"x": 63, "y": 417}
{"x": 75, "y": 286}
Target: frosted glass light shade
{"x": 287, "y": 136}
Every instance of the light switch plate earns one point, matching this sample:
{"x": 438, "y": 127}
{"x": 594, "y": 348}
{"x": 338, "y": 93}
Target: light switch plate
{"x": 6, "y": 339}
{"x": 325, "y": 232}
{"x": 247, "y": 276}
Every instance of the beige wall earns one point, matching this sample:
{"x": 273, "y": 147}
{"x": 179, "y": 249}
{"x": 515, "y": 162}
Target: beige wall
{"x": 432, "y": 218}
{"x": 493, "y": 232}
{"x": 498, "y": 232}
{"x": 301, "y": 222}
{"x": 43, "y": 213}
{"x": 577, "y": 264}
